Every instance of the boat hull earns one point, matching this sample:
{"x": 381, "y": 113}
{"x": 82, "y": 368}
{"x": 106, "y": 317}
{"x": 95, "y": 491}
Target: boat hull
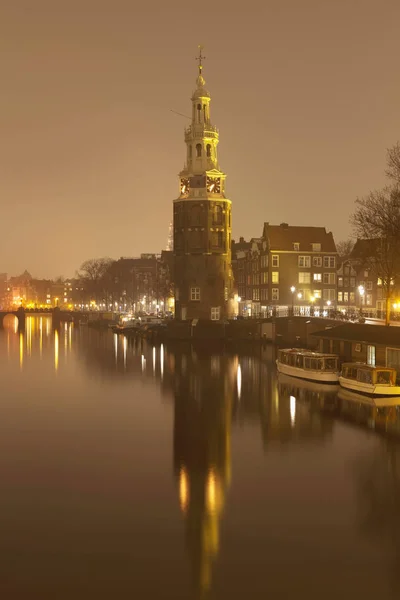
{"x": 308, "y": 374}
{"x": 377, "y": 401}
{"x": 369, "y": 389}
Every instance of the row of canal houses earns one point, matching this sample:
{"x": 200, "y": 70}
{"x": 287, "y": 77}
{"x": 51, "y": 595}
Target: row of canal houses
{"x": 297, "y": 269}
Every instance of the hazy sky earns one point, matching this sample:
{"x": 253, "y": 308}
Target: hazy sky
{"x": 306, "y": 95}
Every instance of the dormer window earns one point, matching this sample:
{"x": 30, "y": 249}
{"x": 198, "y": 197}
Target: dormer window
{"x": 296, "y": 246}
{"x": 316, "y": 247}
{"x": 198, "y": 150}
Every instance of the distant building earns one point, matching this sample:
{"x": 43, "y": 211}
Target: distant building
{"x": 287, "y": 267}
{"x": 202, "y": 221}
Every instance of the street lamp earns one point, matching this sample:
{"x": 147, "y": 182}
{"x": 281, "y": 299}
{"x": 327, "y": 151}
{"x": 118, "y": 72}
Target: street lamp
{"x": 329, "y": 306}
{"x": 292, "y": 289}
{"x": 361, "y": 291}
{"x": 312, "y": 300}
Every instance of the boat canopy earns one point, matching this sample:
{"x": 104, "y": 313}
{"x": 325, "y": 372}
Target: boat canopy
{"x": 369, "y": 374}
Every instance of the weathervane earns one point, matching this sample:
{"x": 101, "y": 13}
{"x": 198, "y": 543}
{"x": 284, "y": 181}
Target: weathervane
{"x": 200, "y": 58}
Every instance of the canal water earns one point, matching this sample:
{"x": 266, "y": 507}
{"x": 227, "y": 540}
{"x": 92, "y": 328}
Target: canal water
{"x": 130, "y": 471}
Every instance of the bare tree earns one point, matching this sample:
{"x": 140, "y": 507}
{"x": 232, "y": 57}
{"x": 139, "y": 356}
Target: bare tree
{"x": 376, "y": 221}
{"x": 92, "y": 272}
{"x": 344, "y": 248}
{"x": 393, "y": 163}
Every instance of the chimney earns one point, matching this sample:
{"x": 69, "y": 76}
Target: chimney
{"x": 284, "y": 225}
{"x": 241, "y": 240}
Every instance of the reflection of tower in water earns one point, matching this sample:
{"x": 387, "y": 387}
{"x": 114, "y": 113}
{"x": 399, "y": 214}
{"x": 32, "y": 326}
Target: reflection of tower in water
{"x": 202, "y": 427}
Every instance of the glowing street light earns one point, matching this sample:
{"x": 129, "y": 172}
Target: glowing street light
{"x": 292, "y": 289}
{"x": 361, "y": 291}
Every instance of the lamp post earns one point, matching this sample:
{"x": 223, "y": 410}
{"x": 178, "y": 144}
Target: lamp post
{"x": 361, "y": 291}
{"x": 329, "y": 307}
{"x": 312, "y": 300}
{"x": 292, "y": 289}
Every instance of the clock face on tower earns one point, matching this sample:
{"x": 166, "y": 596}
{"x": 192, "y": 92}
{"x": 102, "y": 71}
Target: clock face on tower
{"x": 214, "y": 185}
{"x": 184, "y": 186}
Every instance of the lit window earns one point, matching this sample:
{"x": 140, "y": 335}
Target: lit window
{"x": 275, "y": 260}
{"x": 296, "y": 246}
{"x": 317, "y": 277}
{"x": 369, "y": 299}
{"x": 275, "y": 276}
{"x": 215, "y": 313}
{"x": 256, "y": 294}
{"x": 340, "y": 296}
{"x": 195, "y": 294}
{"x": 304, "y": 277}
{"x": 317, "y": 293}
{"x": 346, "y": 296}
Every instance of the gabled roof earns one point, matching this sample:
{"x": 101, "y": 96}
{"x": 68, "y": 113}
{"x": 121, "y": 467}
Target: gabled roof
{"x": 357, "y": 332}
{"x": 282, "y": 237}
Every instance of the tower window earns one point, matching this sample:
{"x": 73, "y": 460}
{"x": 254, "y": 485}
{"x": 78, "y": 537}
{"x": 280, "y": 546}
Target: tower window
{"x": 208, "y": 150}
{"x": 198, "y": 150}
{"x": 199, "y": 107}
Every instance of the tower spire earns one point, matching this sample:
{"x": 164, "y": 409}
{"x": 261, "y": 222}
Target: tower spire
{"x": 200, "y": 58}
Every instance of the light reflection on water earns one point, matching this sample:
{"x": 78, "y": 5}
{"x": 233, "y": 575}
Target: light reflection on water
{"x": 205, "y": 451}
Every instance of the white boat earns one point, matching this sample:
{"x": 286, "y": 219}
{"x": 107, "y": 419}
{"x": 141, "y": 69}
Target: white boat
{"x": 313, "y": 366}
{"x": 308, "y": 385}
{"x": 369, "y": 380}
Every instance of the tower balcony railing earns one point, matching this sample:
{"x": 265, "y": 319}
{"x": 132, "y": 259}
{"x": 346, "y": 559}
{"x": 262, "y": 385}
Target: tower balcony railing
{"x": 200, "y": 131}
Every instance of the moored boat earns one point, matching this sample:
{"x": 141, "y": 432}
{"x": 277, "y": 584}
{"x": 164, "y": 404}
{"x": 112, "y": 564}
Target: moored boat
{"x": 312, "y": 366}
{"x": 369, "y": 380}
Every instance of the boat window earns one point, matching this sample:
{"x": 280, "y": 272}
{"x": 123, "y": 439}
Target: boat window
{"x": 383, "y": 377}
{"x": 299, "y": 361}
{"x": 320, "y": 364}
{"x": 307, "y": 363}
{"x": 350, "y": 373}
{"x": 330, "y": 364}
{"x": 314, "y": 364}
{"x": 364, "y": 376}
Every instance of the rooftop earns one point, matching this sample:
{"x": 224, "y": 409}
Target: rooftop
{"x": 357, "y": 332}
{"x": 283, "y": 236}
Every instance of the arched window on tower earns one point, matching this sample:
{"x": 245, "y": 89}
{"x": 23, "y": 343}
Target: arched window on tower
{"x": 198, "y": 113}
{"x": 208, "y": 148}
{"x": 205, "y": 113}
{"x": 198, "y": 150}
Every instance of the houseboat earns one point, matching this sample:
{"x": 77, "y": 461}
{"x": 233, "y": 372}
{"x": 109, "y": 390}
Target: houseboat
{"x": 313, "y": 366}
{"x": 369, "y": 380}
